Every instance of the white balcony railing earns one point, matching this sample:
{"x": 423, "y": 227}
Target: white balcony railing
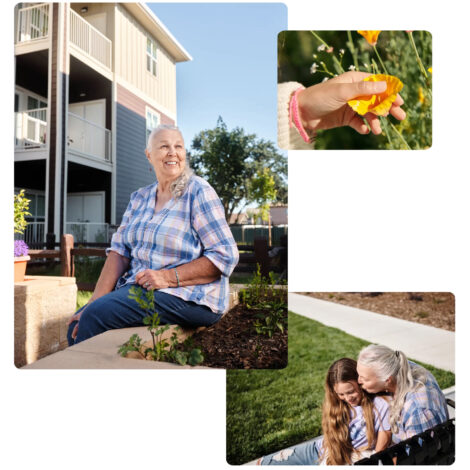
{"x": 88, "y": 138}
{"x": 89, "y": 39}
{"x": 33, "y": 233}
{"x": 88, "y": 232}
{"x": 31, "y": 128}
{"x": 33, "y": 23}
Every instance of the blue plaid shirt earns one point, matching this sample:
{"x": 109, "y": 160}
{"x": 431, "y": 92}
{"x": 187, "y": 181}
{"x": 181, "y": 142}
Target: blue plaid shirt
{"x": 423, "y": 409}
{"x": 185, "y": 229}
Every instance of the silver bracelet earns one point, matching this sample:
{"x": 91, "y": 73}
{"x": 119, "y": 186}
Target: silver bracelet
{"x": 177, "y": 278}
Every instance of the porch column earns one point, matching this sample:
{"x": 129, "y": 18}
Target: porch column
{"x": 58, "y": 99}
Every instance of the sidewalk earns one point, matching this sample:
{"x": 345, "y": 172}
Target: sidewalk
{"x": 424, "y": 343}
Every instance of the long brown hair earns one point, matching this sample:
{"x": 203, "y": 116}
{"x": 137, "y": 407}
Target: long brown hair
{"x": 337, "y": 447}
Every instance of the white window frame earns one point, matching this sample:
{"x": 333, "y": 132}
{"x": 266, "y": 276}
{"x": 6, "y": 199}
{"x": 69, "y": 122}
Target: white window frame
{"x": 151, "y": 56}
{"x": 152, "y": 120}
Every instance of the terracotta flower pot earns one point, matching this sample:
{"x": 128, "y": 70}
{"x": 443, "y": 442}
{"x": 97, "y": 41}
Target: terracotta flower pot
{"x": 20, "y": 267}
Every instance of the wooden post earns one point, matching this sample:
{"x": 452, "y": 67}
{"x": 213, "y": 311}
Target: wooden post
{"x": 50, "y": 241}
{"x": 66, "y": 263}
{"x": 262, "y": 256}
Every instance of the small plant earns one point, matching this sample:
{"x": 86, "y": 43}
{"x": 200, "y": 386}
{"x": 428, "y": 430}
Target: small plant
{"x": 21, "y": 211}
{"x": 21, "y": 248}
{"x": 267, "y": 324}
{"x": 161, "y": 349}
{"x": 268, "y": 302}
{"x": 21, "y": 206}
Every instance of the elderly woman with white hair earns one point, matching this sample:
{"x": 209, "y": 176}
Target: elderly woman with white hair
{"x": 417, "y": 402}
{"x": 174, "y": 240}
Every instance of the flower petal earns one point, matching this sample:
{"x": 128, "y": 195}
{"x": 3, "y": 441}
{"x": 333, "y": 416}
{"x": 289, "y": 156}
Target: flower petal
{"x": 380, "y": 103}
{"x": 371, "y": 36}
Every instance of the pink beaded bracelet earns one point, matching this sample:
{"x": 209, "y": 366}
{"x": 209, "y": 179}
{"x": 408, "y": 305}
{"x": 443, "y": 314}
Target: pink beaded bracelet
{"x": 294, "y": 115}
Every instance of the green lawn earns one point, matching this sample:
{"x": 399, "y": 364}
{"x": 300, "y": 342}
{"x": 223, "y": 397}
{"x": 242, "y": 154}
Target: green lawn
{"x": 269, "y": 410}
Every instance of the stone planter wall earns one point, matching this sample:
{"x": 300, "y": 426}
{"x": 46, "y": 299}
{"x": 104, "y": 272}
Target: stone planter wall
{"x": 43, "y": 306}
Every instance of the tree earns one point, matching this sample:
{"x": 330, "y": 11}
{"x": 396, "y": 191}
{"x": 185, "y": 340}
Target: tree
{"x": 230, "y": 160}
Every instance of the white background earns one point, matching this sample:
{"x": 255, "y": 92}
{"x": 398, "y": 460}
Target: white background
{"x": 372, "y": 221}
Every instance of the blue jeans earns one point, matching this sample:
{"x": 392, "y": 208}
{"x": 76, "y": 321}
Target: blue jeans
{"x": 116, "y": 310}
{"x": 300, "y": 454}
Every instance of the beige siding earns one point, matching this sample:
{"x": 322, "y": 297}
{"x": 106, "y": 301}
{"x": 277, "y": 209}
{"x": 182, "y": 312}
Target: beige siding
{"x": 131, "y": 46}
{"x": 137, "y": 105}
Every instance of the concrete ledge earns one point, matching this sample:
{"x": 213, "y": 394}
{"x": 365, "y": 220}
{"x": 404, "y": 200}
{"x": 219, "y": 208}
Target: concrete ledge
{"x": 101, "y": 351}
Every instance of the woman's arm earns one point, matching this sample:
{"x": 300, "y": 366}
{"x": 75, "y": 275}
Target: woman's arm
{"x": 198, "y": 271}
{"x": 383, "y": 440}
{"x": 114, "y": 267}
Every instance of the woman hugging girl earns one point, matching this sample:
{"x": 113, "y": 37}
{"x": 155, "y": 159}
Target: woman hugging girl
{"x": 355, "y": 424}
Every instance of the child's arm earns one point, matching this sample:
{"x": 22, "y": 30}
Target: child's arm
{"x": 383, "y": 440}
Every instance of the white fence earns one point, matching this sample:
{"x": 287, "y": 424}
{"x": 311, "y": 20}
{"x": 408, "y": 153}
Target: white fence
{"x": 88, "y": 232}
{"x": 31, "y": 128}
{"x": 34, "y": 233}
{"x": 33, "y": 23}
{"x": 90, "y": 40}
{"x": 89, "y": 138}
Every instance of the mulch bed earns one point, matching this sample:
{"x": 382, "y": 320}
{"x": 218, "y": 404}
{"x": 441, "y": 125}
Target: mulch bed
{"x": 232, "y": 343}
{"x": 429, "y": 308}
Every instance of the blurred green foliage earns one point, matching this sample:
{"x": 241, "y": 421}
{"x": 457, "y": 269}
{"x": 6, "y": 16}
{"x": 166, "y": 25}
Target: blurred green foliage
{"x": 298, "y": 50}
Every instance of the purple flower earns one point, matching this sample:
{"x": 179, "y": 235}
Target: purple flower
{"x": 21, "y": 248}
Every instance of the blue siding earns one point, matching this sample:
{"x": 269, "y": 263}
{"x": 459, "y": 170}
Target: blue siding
{"x": 132, "y": 167}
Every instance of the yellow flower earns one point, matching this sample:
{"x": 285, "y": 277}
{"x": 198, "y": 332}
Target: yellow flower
{"x": 430, "y": 69}
{"x": 420, "y": 95}
{"x": 380, "y": 103}
{"x": 371, "y": 36}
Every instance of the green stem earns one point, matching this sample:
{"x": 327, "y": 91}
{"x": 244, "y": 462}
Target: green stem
{"x": 353, "y": 50}
{"x": 380, "y": 60}
{"x": 375, "y": 68}
{"x": 335, "y": 59}
{"x": 320, "y": 39}
{"x": 400, "y": 136}
{"x": 418, "y": 58}
{"x": 384, "y": 123}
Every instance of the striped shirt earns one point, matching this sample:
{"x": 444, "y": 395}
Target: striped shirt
{"x": 185, "y": 229}
{"x": 423, "y": 409}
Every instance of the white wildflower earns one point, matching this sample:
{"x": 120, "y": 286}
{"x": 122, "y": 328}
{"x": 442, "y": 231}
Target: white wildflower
{"x": 320, "y": 48}
{"x": 341, "y": 51}
{"x": 325, "y": 79}
{"x": 351, "y": 67}
{"x": 313, "y": 67}
{"x": 366, "y": 65}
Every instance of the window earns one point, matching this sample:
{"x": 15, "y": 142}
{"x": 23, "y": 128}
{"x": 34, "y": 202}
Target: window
{"x": 152, "y": 121}
{"x": 152, "y": 56}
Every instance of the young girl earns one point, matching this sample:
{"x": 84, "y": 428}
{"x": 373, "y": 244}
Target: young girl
{"x": 355, "y": 424}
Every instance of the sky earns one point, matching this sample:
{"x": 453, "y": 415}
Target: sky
{"x": 233, "y": 73}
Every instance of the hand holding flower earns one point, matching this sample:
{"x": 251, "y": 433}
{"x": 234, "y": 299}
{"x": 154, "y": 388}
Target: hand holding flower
{"x": 325, "y": 105}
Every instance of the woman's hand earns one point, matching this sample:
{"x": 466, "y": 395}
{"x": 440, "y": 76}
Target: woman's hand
{"x": 324, "y": 106}
{"x": 76, "y": 318}
{"x": 150, "y": 279}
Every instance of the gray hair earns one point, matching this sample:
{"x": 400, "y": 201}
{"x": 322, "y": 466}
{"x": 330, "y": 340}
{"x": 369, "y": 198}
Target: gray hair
{"x": 387, "y": 363}
{"x": 178, "y": 186}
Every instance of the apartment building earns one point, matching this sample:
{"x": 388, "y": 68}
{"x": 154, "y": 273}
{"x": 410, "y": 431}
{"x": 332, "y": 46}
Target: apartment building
{"x": 91, "y": 81}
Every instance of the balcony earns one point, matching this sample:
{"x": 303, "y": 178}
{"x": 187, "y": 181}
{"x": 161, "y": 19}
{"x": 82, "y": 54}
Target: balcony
{"x": 32, "y": 23}
{"x": 87, "y": 139}
{"x": 30, "y": 129}
{"x": 89, "y": 41}
{"x": 34, "y": 233}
